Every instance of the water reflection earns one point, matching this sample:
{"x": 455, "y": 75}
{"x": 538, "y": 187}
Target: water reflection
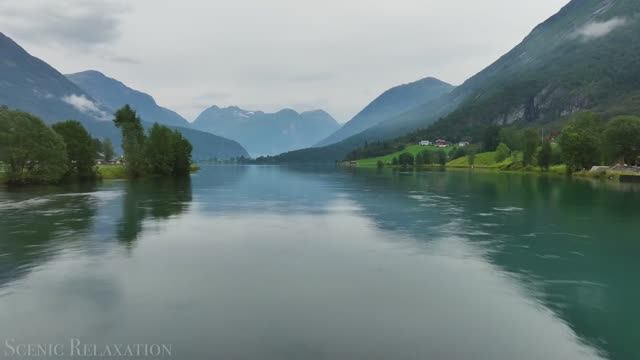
{"x": 155, "y": 199}
{"x": 276, "y": 263}
{"x": 36, "y": 223}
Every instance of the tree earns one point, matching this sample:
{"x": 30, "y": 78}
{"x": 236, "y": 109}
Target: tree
{"x": 32, "y": 152}
{"x": 427, "y": 157}
{"x": 458, "y": 152}
{"x": 471, "y": 157}
{"x": 419, "y": 159}
{"x": 107, "y": 149}
{"x": 622, "y": 139}
{"x": 491, "y": 138}
{"x": 182, "y": 154}
{"x": 502, "y": 152}
{"x": 133, "y": 140}
{"x": 406, "y": 159}
{"x": 442, "y": 158}
{"x": 159, "y": 150}
{"x": 544, "y": 155}
{"x": 168, "y": 152}
{"x": 380, "y": 164}
{"x": 511, "y": 137}
{"x": 394, "y": 161}
{"x": 81, "y": 148}
{"x": 580, "y": 141}
{"x": 530, "y": 141}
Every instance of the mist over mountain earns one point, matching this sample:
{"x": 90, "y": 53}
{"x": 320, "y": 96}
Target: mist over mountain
{"x": 30, "y": 84}
{"x": 114, "y": 94}
{"x": 267, "y": 133}
{"x": 392, "y": 102}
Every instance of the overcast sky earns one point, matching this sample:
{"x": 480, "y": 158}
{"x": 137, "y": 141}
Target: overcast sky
{"x": 270, "y": 54}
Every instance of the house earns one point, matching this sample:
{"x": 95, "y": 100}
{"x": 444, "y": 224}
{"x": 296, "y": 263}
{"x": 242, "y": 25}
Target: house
{"x": 425, "y": 143}
{"x": 441, "y": 143}
{"x": 463, "y": 144}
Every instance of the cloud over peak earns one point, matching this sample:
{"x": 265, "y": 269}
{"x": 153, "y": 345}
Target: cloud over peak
{"x": 595, "y": 29}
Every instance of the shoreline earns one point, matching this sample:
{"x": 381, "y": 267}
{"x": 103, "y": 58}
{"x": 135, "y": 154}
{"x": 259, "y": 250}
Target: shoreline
{"x": 103, "y": 172}
{"x": 556, "y": 171}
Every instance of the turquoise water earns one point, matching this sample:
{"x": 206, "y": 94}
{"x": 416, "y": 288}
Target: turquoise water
{"x": 319, "y": 263}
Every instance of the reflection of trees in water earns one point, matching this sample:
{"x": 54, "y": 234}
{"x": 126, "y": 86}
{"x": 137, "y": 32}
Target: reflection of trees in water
{"x": 574, "y": 243}
{"x": 34, "y": 220}
{"x": 156, "y": 198}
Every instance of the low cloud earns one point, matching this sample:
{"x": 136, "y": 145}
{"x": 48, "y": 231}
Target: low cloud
{"x": 85, "y": 105}
{"x": 80, "y": 23}
{"x": 125, "y": 60}
{"x": 595, "y": 30}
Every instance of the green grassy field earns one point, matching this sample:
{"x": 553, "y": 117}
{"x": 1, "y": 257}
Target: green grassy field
{"x": 111, "y": 172}
{"x": 482, "y": 160}
{"x": 387, "y": 159}
{"x": 119, "y": 172}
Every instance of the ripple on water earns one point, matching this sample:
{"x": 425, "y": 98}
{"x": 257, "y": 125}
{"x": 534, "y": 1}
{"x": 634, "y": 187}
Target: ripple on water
{"x": 508, "y": 209}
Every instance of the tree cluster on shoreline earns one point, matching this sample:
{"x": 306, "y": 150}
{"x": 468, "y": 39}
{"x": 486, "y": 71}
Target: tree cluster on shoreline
{"x": 33, "y": 153}
{"x": 585, "y": 141}
{"x": 161, "y": 151}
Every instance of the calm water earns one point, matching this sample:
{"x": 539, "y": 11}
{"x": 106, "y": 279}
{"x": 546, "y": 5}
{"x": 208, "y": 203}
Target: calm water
{"x": 278, "y": 263}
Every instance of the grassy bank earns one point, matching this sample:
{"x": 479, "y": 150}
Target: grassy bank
{"x": 112, "y": 172}
{"x": 387, "y": 159}
{"x": 482, "y": 161}
{"x": 487, "y": 162}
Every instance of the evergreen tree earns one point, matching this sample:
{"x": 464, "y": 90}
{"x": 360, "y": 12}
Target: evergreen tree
{"x": 133, "y": 140}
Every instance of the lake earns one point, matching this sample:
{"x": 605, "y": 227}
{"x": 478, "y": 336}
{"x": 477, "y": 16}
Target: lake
{"x": 249, "y": 262}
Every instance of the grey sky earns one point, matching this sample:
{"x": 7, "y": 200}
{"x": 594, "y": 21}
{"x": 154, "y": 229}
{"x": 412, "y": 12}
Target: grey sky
{"x": 266, "y": 55}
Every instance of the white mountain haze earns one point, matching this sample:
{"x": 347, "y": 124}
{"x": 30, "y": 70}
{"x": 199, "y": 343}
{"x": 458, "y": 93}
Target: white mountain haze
{"x": 267, "y": 133}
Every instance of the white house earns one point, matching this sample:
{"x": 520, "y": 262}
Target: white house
{"x": 425, "y": 143}
{"x": 463, "y": 143}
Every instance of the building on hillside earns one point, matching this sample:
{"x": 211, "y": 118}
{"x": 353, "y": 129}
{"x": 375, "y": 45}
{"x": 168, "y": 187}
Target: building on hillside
{"x": 442, "y": 143}
{"x": 463, "y": 144}
{"x": 425, "y": 143}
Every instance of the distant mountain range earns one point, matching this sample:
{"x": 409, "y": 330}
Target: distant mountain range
{"x": 391, "y": 103}
{"x": 30, "y": 84}
{"x": 267, "y": 133}
{"x": 585, "y": 57}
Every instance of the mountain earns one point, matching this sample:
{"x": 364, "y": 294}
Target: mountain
{"x": 391, "y": 103}
{"x": 29, "y": 84}
{"x": 585, "y": 57}
{"x": 267, "y": 133}
{"x": 114, "y": 94}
